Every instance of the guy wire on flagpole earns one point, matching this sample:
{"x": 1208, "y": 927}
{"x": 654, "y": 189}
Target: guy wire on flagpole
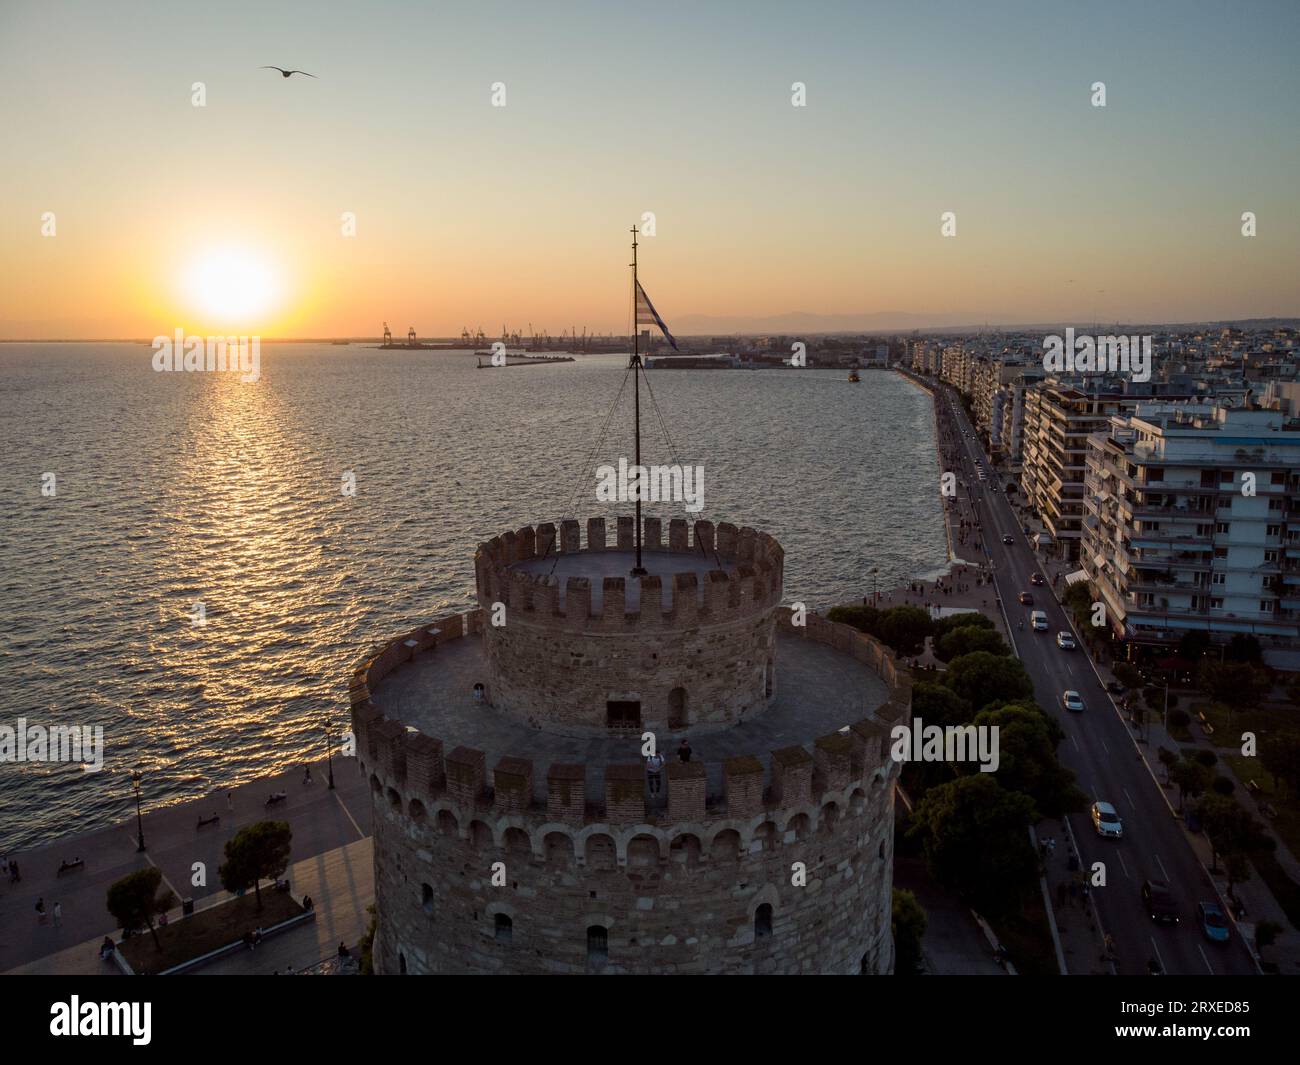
{"x": 638, "y": 570}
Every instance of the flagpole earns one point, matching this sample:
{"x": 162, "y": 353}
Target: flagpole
{"x": 638, "y": 570}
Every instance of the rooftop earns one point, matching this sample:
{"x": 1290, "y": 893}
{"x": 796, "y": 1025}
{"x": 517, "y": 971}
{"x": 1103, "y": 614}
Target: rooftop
{"x": 597, "y": 565}
{"x": 819, "y": 690}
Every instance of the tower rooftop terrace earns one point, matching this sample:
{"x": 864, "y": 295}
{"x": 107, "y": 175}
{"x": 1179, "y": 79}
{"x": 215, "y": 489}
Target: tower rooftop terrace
{"x": 821, "y": 691}
{"x": 597, "y": 565}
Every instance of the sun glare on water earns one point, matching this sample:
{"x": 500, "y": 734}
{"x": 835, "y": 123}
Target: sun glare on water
{"x": 231, "y": 286}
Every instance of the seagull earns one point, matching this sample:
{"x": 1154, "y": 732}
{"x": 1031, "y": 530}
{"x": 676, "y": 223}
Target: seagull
{"x": 286, "y": 73}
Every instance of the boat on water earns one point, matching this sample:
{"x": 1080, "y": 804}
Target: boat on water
{"x": 853, "y": 375}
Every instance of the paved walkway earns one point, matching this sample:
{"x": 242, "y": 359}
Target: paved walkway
{"x": 322, "y": 821}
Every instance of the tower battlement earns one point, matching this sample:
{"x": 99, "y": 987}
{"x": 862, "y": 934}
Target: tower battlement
{"x": 699, "y": 574}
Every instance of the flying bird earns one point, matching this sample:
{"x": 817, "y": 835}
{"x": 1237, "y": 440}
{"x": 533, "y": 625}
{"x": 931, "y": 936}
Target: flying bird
{"x": 286, "y": 73}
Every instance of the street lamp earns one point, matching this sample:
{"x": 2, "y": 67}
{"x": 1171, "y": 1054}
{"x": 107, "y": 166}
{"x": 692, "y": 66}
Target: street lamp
{"x": 136, "y": 777}
{"x": 875, "y": 593}
{"x": 329, "y": 752}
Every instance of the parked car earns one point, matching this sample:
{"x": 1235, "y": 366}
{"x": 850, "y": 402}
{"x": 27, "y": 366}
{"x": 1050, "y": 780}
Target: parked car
{"x": 1072, "y": 701}
{"x": 1106, "y": 821}
{"x": 1115, "y": 687}
{"x": 1037, "y": 579}
{"x": 1214, "y": 925}
{"x": 1159, "y": 902}
{"x": 1065, "y": 641}
{"x": 1008, "y": 539}
{"x": 1025, "y": 599}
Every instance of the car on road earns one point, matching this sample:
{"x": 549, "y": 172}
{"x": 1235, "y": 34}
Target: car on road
{"x": 1106, "y": 821}
{"x": 1008, "y": 539}
{"x": 1072, "y": 701}
{"x": 1038, "y": 620}
{"x": 1214, "y": 925}
{"x": 1037, "y": 579}
{"x": 1065, "y": 641}
{"x": 1159, "y": 902}
{"x": 1115, "y": 687}
{"x": 1025, "y": 599}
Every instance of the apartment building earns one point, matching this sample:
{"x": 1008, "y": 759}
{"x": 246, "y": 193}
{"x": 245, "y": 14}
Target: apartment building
{"x": 1192, "y": 521}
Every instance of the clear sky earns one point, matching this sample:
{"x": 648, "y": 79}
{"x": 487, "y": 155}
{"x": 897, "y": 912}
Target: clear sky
{"x": 227, "y": 216}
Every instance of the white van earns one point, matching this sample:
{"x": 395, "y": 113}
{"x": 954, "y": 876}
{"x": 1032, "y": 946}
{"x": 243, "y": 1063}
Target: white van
{"x": 1038, "y": 620}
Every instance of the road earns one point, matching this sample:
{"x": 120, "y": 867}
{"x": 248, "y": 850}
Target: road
{"x": 1099, "y": 748}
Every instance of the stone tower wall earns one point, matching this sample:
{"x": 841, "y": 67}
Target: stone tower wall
{"x": 587, "y": 880}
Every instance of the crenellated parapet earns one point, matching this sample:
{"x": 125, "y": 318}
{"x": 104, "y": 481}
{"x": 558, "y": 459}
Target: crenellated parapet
{"x": 701, "y": 574}
{"x": 416, "y": 771}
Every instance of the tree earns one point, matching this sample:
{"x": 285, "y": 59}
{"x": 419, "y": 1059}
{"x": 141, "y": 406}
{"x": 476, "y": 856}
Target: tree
{"x": 936, "y": 704}
{"x": 968, "y": 639}
{"x": 974, "y": 835}
{"x": 1191, "y": 777}
{"x": 1168, "y": 759}
{"x": 1234, "y": 833}
{"x": 257, "y": 852}
{"x": 942, "y": 626}
{"x": 863, "y": 618}
{"x": 904, "y": 628}
{"x": 983, "y": 678}
{"x": 134, "y": 901}
{"x": 1027, "y": 762}
{"x": 1280, "y": 755}
{"x": 908, "y": 925}
{"x": 1235, "y": 684}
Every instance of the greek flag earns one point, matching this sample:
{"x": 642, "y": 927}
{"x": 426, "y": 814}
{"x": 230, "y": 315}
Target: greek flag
{"x": 647, "y": 315}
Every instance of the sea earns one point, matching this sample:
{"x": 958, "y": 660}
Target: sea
{"x": 194, "y": 562}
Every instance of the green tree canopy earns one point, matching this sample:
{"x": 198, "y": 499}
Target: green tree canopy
{"x": 974, "y": 835}
{"x": 1234, "y": 833}
{"x": 982, "y": 678}
{"x": 968, "y": 639}
{"x": 943, "y": 626}
{"x": 908, "y": 924}
{"x": 257, "y": 852}
{"x": 1235, "y": 684}
{"x": 1280, "y": 754}
{"x": 1027, "y": 761}
{"x": 134, "y": 901}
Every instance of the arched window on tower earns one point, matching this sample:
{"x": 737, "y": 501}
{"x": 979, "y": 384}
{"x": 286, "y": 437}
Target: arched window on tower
{"x": 763, "y": 921}
{"x": 597, "y": 946}
{"x": 505, "y": 928}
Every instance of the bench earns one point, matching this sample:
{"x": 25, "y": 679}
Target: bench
{"x": 1206, "y": 727}
{"x": 1253, "y": 788}
{"x": 68, "y": 866}
{"x": 215, "y": 819}
{"x": 1268, "y": 809}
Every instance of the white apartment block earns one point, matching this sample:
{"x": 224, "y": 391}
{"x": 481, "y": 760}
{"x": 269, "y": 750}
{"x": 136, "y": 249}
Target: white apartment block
{"x": 1192, "y": 521}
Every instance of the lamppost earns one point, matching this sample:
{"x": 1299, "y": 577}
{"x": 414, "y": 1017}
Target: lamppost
{"x": 875, "y": 592}
{"x": 136, "y": 777}
{"x": 329, "y": 752}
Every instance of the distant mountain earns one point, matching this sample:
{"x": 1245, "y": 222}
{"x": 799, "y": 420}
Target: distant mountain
{"x": 809, "y": 322}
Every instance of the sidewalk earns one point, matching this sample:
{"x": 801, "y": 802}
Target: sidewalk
{"x": 322, "y": 821}
{"x": 341, "y": 884}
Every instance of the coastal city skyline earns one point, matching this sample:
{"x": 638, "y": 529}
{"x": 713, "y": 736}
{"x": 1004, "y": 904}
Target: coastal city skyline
{"x": 803, "y": 166}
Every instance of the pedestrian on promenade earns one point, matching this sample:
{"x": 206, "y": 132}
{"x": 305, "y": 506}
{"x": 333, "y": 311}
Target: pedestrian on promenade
{"x": 684, "y": 751}
{"x": 307, "y": 776}
{"x": 14, "y": 874}
{"x": 230, "y": 800}
{"x": 58, "y": 914}
{"x": 40, "y": 911}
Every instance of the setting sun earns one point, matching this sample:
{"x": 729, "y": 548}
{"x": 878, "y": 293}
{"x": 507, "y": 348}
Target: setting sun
{"x": 231, "y": 285}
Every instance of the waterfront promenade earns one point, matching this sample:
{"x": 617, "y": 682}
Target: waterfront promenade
{"x": 330, "y": 860}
